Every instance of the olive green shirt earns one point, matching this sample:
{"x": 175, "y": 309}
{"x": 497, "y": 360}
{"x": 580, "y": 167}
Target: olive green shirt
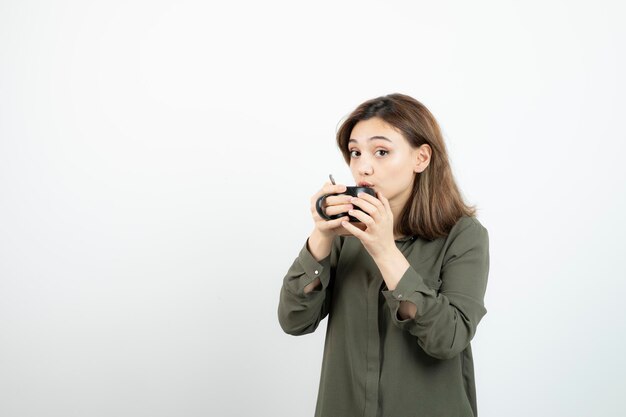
{"x": 375, "y": 364}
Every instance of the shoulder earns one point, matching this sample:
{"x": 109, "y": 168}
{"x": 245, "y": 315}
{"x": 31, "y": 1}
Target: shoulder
{"x": 467, "y": 224}
{"x": 468, "y": 234}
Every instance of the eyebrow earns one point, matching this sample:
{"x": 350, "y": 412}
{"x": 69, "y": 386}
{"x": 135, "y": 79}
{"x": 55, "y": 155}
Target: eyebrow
{"x": 372, "y": 138}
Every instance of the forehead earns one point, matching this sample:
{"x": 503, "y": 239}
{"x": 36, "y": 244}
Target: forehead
{"x": 374, "y": 130}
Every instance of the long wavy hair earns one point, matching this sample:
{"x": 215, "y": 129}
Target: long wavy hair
{"x": 435, "y": 204}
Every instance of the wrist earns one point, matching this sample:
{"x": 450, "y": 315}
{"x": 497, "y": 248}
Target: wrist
{"x": 392, "y": 265}
{"x": 319, "y": 245}
{"x": 317, "y": 234}
{"x": 389, "y": 255}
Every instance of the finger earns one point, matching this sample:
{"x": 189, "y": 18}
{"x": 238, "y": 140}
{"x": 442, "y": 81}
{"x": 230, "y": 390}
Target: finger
{"x": 333, "y": 188}
{"x": 366, "y": 206}
{"x": 385, "y": 202}
{"x": 338, "y": 199}
{"x": 343, "y": 232}
{"x": 336, "y": 222}
{"x": 319, "y": 193}
{"x": 328, "y": 188}
{"x": 332, "y": 210}
{"x": 353, "y": 229}
{"x": 324, "y": 189}
{"x": 371, "y": 199}
{"x": 361, "y": 216}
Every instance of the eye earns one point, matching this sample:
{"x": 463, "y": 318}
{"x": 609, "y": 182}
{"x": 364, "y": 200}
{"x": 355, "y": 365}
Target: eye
{"x": 382, "y": 150}
{"x": 352, "y": 153}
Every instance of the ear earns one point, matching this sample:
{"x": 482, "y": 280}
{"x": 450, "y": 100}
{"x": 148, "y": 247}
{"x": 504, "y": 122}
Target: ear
{"x": 422, "y": 157}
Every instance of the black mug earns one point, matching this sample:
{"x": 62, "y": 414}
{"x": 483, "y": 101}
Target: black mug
{"x": 350, "y": 190}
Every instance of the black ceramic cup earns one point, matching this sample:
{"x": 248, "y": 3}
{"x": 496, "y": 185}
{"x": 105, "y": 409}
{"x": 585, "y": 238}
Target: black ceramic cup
{"x": 350, "y": 190}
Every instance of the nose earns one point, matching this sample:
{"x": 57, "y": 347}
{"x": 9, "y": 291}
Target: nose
{"x": 364, "y": 167}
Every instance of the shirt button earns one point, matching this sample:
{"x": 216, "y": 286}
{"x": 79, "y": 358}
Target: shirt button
{"x": 316, "y": 272}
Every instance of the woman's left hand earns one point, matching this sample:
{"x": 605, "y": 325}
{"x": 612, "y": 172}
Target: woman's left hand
{"x": 377, "y": 238}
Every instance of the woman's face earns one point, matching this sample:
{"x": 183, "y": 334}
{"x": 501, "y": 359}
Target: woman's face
{"x": 382, "y": 157}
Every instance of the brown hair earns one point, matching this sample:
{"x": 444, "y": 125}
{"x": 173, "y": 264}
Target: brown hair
{"x": 435, "y": 204}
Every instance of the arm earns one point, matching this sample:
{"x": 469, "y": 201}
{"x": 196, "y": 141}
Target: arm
{"x": 319, "y": 247}
{"x": 300, "y": 311}
{"x": 393, "y": 266}
{"x": 445, "y": 321}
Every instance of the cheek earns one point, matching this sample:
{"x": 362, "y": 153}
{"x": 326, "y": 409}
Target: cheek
{"x": 398, "y": 167}
{"x": 401, "y": 172}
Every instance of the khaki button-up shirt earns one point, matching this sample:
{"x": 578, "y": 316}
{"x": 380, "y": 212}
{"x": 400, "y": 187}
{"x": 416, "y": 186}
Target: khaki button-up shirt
{"x": 375, "y": 364}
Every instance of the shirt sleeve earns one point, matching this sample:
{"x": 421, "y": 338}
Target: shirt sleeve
{"x": 446, "y": 319}
{"x": 300, "y": 313}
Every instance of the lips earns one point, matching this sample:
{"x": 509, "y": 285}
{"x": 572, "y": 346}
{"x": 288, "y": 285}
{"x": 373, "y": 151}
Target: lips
{"x": 364, "y": 184}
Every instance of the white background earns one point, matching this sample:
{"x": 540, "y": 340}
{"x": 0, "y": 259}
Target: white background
{"x": 157, "y": 160}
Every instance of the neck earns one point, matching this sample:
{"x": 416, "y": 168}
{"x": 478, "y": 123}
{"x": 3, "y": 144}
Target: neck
{"x": 397, "y": 205}
{"x": 396, "y": 218}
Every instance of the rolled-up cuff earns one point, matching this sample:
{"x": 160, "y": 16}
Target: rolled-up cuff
{"x": 409, "y": 288}
{"x": 313, "y": 269}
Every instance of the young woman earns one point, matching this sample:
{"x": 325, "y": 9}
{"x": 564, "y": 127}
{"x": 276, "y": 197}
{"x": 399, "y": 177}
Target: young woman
{"x": 404, "y": 290}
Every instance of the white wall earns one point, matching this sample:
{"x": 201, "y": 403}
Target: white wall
{"x": 157, "y": 160}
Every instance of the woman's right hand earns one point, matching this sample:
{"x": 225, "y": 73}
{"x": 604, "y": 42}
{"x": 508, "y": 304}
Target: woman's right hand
{"x": 333, "y": 205}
